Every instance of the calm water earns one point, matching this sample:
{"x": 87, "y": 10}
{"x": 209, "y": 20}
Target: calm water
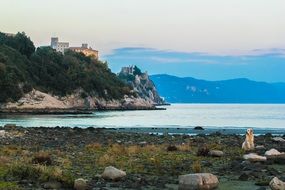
{"x": 266, "y": 116}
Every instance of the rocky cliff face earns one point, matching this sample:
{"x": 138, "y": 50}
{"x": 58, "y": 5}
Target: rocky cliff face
{"x": 36, "y": 101}
{"x": 141, "y": 84}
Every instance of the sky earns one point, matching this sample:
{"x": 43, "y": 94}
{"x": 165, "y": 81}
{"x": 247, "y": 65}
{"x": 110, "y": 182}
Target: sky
{"x": 258, "y": 66}
{"x": 208, "y": 39}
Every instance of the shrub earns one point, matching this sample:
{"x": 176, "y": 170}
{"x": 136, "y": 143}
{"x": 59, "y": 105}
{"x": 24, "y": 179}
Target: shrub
{"x": 4, "y": 160}
{"x": 27, "y": 88}
{"x": 9, "y": 186}
{"x": 42, "y": 173}
{"x": 106, "y": 160}
{"x": 83, "y": 95}
{"x": 196, "y": 167}
{"x": 184, "y": 147}
{"x": 134, "y": 149}
{"x": 42, "y": 158}
{"x": 117, "y": 149}
{"x": 172, "y": 148}
{"x": 203, "y": 150}
{"x": 93, "y": 147}
{"x": 22, "y": 171}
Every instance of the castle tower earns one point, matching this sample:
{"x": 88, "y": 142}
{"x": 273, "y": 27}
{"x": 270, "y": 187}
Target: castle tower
{"x": 54, "y": 42}
{"x": 85, "y": 46}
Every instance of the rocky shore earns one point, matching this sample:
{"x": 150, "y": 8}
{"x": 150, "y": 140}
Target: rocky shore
{"x": 37, "y": 102}
{"x": 74, "y": 111}
{"x": 95, "y": 158}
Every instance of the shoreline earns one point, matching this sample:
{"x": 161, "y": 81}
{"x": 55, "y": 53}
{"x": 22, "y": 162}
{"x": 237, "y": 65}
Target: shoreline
{"x": 204, "y": 131}
{"x": 191, "y": 130}
{"x": 49, "y": 111}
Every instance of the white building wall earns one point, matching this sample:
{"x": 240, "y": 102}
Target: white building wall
{"x": 59, "y": 46}
{"x": 62, "y": 46}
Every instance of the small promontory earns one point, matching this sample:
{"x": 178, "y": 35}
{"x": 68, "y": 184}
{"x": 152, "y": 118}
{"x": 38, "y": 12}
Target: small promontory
{"x": 43, "y": 80}
{"x": 141, "y": 84}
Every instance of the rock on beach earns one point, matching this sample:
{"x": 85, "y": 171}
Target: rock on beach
{"x": 113, "y": 173}
{"x": 254, "y": 157}
{"x": 216, "y": 153}
{"x": 277, "y": 184}
{"x": 198, "y": 181}
{"x": 273, "y": 152}
{"x": 80, "y": 184}
{"x": 3, "y": 133}
{"x": 278, "y": 139}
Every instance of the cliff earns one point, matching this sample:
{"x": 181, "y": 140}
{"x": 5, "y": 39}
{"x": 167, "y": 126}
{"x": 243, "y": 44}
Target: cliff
{"x": 40, "y": 102}
{"x": 141, "y": 84}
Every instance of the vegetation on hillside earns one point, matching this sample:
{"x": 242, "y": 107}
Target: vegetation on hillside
{"x": 23, "y": 67}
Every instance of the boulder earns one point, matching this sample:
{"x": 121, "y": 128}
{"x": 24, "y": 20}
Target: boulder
{"x": 259, "y": 147}
{"x": 216, "y": 153}
{"x": 80, "y": 184}
{"x": 274, "y": 156}
{"x": 261, "y": 188}
{"x": 254, "y": 157}
{"x": 272, "y": 152}
{"x": 278, "y": 139}
{"x": 198, "y": 181}
{"x": 113, "y": 173}
{"x": 199, "y": 128}
{"x": 52, "y": 185}
{"x": 3, "y": 133}
{"x": 276, "y": 184}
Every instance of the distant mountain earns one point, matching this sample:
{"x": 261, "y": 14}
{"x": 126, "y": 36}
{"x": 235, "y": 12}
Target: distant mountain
{"x": 190, "y": 90}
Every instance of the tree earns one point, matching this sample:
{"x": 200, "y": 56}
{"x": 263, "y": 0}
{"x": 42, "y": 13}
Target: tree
{"x": 137, "y": 71}
{"x": 20, "y": 42}
{"x": 24, "y": 44}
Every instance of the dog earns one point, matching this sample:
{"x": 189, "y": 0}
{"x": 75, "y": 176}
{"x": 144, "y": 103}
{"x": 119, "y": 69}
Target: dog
{"x": 248, "y": 144}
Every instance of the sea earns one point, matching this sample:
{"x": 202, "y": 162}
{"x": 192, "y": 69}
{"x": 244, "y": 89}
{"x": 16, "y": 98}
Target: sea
{"x": 177, "y": 118}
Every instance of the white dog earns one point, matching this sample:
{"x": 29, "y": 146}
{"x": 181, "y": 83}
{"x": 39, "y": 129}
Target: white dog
{"x": 248, "y": 144}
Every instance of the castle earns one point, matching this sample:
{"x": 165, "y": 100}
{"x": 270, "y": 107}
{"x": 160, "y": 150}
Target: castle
{"x": 128, "y": 70}
{"x": 9, "y": 34}
{"x": 63, "y": 46}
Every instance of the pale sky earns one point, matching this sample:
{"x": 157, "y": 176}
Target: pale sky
{"x": 212, "y": 26}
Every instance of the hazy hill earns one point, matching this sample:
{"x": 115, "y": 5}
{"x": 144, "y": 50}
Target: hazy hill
{"x": 191, "y": 90}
